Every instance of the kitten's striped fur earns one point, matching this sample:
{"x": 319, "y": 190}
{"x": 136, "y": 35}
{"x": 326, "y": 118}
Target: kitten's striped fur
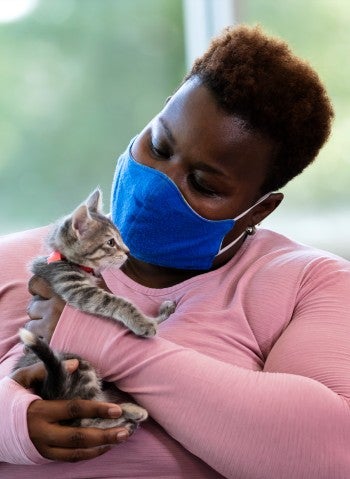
{"x": 87, "y": 237}
{"x": 83, "y": 383}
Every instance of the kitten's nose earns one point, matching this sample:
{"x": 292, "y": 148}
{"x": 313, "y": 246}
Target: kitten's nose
{"x": 122, "y": 247}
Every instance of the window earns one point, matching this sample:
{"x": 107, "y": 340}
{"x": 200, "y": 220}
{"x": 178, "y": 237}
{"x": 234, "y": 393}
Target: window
{"x": 78, "y": 80}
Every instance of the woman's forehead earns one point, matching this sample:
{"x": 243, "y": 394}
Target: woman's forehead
{"x": 194, "y": 123}
{"x": 194, "y": 109}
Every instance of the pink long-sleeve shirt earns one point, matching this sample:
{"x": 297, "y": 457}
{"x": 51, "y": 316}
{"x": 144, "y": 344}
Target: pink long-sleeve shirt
{"x": 249, "y": 378}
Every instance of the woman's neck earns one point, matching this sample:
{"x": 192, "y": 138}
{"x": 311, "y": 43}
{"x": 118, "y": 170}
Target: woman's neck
{"x": 153, "y": 276}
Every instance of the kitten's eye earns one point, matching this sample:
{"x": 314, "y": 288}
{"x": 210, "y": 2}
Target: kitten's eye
{"x": 111, "y": 242}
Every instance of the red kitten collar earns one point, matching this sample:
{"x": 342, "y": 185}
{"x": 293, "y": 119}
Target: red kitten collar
{"x": 57, "y": 256}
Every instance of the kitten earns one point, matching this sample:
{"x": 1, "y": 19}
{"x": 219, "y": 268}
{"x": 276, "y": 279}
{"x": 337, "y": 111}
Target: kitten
{"x": 83, "y": 383}
{"x": 84, "y": 243}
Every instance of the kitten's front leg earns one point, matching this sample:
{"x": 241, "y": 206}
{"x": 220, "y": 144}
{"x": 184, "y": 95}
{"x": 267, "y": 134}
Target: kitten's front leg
{"x": 147, "y": 327}
{"x": 165, "y": 310}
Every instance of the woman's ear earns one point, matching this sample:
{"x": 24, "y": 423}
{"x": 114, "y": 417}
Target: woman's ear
{"x": 265, "y": 208}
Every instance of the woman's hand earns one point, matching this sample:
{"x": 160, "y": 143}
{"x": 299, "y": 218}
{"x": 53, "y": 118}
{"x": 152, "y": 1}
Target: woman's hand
{"x": 44, "y": 309}
{"x": 66, "y": 443}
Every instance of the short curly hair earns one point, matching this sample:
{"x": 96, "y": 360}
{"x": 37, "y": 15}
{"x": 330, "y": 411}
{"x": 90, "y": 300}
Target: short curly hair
{"x": 257, "y": 77}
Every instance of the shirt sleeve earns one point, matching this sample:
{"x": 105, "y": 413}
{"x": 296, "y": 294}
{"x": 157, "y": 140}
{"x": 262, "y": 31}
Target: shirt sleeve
{"x": 15, "y": 444}
{"x": 16, "y": 250}
{"x": 290, "y": 420}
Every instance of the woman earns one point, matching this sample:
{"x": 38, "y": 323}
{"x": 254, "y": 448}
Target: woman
{"x": 250, "y": 377}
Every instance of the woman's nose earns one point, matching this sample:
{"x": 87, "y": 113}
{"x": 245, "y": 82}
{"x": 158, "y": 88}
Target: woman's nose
{"x": 174, "y": 169}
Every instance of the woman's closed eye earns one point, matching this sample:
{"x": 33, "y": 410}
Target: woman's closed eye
{"x": 162, "y": 151}
{"x": 200, "y": 185}
{"x": 159, "y": 151}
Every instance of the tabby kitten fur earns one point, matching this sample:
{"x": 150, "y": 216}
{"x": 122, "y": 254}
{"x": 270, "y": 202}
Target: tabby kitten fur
{"x": 87, "y": 241}
{"x": 83, "y": 383}
{"x": 84, "y": 243}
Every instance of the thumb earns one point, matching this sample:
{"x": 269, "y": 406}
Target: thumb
{"x": 28, "y": 375}
{"x": 71, "y": 365}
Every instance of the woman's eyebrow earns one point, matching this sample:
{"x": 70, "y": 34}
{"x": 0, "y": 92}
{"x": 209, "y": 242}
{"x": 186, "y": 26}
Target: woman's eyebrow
{"x": 200, "y": 165}
{"x": 167, "y": 130}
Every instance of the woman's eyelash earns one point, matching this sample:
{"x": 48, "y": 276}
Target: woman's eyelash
{"x": 159, "y": 151}
{"x": 198, "y": 186}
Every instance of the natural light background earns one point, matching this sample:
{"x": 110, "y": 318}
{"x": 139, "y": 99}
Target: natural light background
{"x": 316, "y": 209}
{"x": 79, "y": 78}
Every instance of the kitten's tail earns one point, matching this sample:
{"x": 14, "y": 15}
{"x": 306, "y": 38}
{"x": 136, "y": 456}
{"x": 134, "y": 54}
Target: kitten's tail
{"x": 55, "y": 370}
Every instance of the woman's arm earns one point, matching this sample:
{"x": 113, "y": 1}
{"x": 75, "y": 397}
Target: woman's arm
{"x": 18, "y": 405}
{"x": 16, "y": 252}
{"x": 16, "y": 446}
{"x": 276, "y": 423}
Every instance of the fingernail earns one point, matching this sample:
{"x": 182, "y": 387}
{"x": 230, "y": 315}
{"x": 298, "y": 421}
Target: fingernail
{"x": 122, "y": 436}
{"x": 114, "y": 412}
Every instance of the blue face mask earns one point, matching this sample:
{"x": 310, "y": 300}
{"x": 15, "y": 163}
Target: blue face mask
{"x": 158, "y": 225}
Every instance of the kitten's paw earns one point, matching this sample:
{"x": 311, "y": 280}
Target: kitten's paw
{"x": 134, "y": 412}
{"x": 132, "y": 416}
{"x": 147, "y": 329}
{"x": 165, "y": 310}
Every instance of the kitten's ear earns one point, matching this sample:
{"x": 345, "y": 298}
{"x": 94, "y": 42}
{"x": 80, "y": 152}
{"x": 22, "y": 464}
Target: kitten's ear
{"x": 94, "y": 201}
{"x": 80, "y": 220}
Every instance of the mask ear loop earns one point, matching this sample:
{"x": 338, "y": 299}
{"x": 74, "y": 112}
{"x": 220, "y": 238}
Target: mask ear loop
{"x": 231, "y": 244}
{"x": 250, "y": 230}
{"x": 263, "y": 198}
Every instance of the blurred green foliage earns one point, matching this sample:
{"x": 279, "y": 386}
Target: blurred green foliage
{"x": 78, "y": 79}
{"x": 318, "y": 31}
{"x": 316, "y": 204}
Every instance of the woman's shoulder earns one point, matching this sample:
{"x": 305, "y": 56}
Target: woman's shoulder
{"x": 271, "y": 242}
{"x": 15, "y": 247}
{"x": 30, "y": 236}
{"x": 287, "y": 256}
